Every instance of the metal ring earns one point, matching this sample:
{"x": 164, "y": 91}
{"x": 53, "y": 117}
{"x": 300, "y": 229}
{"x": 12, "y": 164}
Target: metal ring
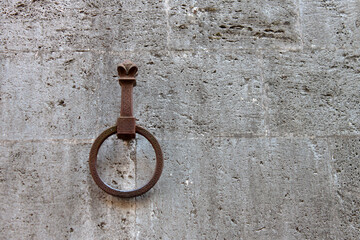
{"x": 119, "y": 193}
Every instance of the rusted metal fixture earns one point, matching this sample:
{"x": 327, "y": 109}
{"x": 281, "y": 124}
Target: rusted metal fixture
{"x": 126, "y": 129}
{"x": 126, "y": 122}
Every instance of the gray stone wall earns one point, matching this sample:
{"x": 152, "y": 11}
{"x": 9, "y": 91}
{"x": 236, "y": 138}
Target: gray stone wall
{"x": 255, "y": 104}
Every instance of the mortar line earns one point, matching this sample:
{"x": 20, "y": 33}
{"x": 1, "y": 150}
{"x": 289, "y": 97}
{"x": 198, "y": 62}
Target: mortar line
{"x": 51, "y": 140}
{"x": 331, "y": 174}
{"x": 264, "y": 93}
{"x": 90, "y": 141}
{"x": 116, "y": 53}
{"x": 168, "y": 27}
{"x": 300, "y": 24}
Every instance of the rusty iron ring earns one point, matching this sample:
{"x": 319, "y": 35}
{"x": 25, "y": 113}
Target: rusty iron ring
{"x": 120, "y": 193}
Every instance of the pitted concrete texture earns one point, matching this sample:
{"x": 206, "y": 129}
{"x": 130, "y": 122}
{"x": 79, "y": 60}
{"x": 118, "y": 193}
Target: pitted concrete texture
{"x": 255, "y": 104}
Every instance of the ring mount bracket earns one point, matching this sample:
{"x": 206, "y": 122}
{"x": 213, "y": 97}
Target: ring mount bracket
{"x": 126, "y": 129}
{"x": 126, "y": 122}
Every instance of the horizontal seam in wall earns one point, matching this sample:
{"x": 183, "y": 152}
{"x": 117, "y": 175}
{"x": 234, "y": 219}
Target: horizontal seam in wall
{"x": 288, "y": 49}
{"x": 89, "y": 141}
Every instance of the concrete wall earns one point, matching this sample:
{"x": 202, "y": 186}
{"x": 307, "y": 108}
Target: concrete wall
{"x": 255, "y": 104}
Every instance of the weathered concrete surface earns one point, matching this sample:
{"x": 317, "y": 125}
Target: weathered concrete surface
{"x": 255, "y": 104}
